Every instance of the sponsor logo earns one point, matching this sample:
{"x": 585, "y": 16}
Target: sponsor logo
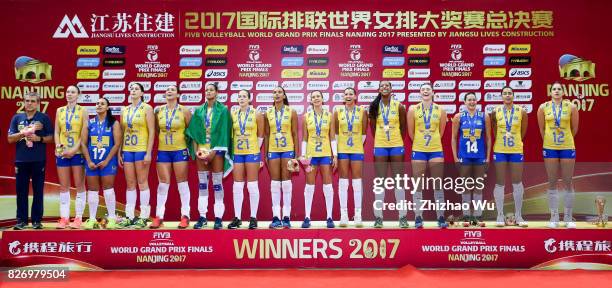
{"x": 444, "y": 85}
{"x": 449, "y": 109}
{"x": 418, "y": 49}
{"x": 414, "y": 97}
{"x": 293, "y": 85}
{"x": 222, "y": 97}
{"x": 446, "y": 96}
{"x": 494, "y": 49}
{"x": 494, "y": 72}
{"x": 457, "y": 66}
{"x": 145, "y": 84}
{"x": 519, "y": 48}
{"x": 462, "y": 96}
{"x": 88, "y": 74}
{"x": 115, "y": 97}
{"x": 419, "y": 73}
{"x": 113, "y": 86}
{"x": 191, "y": 86}
{"x": 88, "y": 98}
{"x": 292, "y": 49}
{"x": 520, "y": 72}
{"x": 295, "y": 97}
{"x": 222, "y": 85}
{"x": 393, "y": 73}
{"x": 341, "y": 85}
{"x": 113, "y": 62}
{"x": 88, "y": 50}
{"x": 393, "y": 49}
{"x": 398, "y": 85}
{"x": 292, "y": 61}
{"x": 416, "y": 85}
{"x": 299, "y": 109}
{"x": 469, "y": 84}
{"x": 159, "y": 98}
{"x": 418, "y": 61}
{"x": 493, "y": 96}
{"x": 114, "y": 50}
{"x": 520, "y": 84}
{"x": 292, "y": 73}
{"x": 239, "y": 85}
{"x": 266, "y": 85}
{"x": 216, "y": 49}
{"x": 393, "y": 61}
{"x": 522, "y": 96}
{"x": 190, "y": 50}
{"x": 318, "y": 61}
{"x": 338, "y": 97}
{"x": 163, "y": 85}
{"x": 88, "y": 86}
{"x": 366, "y": 97}
{"x": 494, "y": 84}
{"x": 191, "y": 74}
{"x": 191, "y": 62}
{"x": 70, "y": 27}
{"x": 317, "y": 85}
{"x": 88, "y": 62}
{"x": 368, "y": 85}
{"x": 113, "y": 74}
{"x": 216, "y": 73}
{"x": 215, "y": 61}
{"x": 317, "y": 73}
{"x": 575, "y": 68}
{"x": 264, "y": 98}
{"x": 399, "y": 96}
{"x": 520, "y": 60}
{"x": 494, "y": 61}
{"x": 317, "y": 49}
{"x": 191, "y": 97}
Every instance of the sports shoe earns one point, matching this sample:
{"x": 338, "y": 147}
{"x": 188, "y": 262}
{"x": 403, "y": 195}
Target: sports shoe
{"x": 286, "y": 222}
{"x": 553, "y": 225}
{"x": 357, "y": 219}
{"x": 201, "y": 223}
{"x": 62, "y": 223}
{"x": 466, "y": 221}
{"x": 344, "y": 218}
{"x": 111, "y": 224}
{"x": 156, "y": 223}
{"x": 442, "y": 222}
{"x": 306, "y": 223}
{"x": 378, "y": 222}
{"x": 330, "y": 223}
{"x": 235, "y": 223}
{"x": 218, "y": 224}
{"x": 76, "y": 223}
{"x": 125, "y": 223}
{"x": 418, "y": 222}
{"x": 20, "y": 226}
{"x": 276, "y": 223}
{"x": 39, "y": 226}
{"x": 570, "y": 225}
{"x": 403, "y": 222}
{"x": 140, "y": 223}
{"x": 501, "y": 221}
{"x": 184, "y": 222}
{"x": 521, "y": 222}
{"x": 252, "y": 223}
{"x": 90, "y": 224}
{"x": 480, "y": 222}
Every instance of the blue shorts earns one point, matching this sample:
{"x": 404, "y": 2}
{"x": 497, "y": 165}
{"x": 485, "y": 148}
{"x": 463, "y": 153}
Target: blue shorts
{"x": 325, "y": 160}
{"x": 472, "y": 161}
{"x": 389, "y": 151}
{"x": 508, "y": 157}
{"x": 278, "y": 155}
{"x": 110, "y": 169}
{"x": 560, "y": 154}
{"x": 172, "y": 156}
{"x": 350, "y": 156}
{"x": 130, "y": 157}
{"x": 76, "y": 160}
{"x": 426, "y": 156}
{"x": 247, "y": 158}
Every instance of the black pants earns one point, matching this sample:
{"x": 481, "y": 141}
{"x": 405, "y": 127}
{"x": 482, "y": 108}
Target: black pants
{"x": 24, "y": 172}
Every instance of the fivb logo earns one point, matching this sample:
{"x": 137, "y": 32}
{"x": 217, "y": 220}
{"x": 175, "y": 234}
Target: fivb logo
{"x": 444, "y": 85}
{"x": 70, "y": 27}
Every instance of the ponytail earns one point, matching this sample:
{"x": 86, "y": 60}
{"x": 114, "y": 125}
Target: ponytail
{"x": 110, "y": 119}
{"x": 373, "y": 110}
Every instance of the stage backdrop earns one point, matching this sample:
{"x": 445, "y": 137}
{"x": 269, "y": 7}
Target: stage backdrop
{"x": 459, "y": 46}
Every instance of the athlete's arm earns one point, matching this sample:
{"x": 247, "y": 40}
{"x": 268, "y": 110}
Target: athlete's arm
{"x": 364, "y": 125}
{"x": 294, "y": 132}
{"x": 334, "y": 124}
{"x": 455, "y": 129}
{"x": 493, "y": 123}
{"x": 155, "y": 115}
{"x": 187, "y": 116}
{"x": 56, "y": 131}
{"x": 574, "y": 120}
{"x": 541, "y": 120}
{"x": 151, "y": 127}
{"x": 84, "y": 148}
{"x": 411, "y": 123}
{"x": 402, "y": 118}
{"x": 488, "y": 135}
{"x": 524, "y": 124}
{"x": 442, "y": 122}
{"x": 266, "y": 135}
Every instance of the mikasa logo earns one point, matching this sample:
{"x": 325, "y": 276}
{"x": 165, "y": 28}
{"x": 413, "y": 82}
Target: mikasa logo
{"x": 70, "y": 27}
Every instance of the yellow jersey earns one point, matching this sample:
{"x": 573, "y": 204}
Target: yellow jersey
{"x": 427, "y": 140}
{"x": 135, "y": 138}
{"x": 318, "y": 145}
{"x": 392, "y": 136}
{"x": 171, "y": 128}
{"x": 281, "y": 138}
{"x": 350, "y": 140}
{"x": 245, "y": 132}
{"x": 512, "y": 142}
{"x": 70, "y": 125}
{"x": 561, "y": 138}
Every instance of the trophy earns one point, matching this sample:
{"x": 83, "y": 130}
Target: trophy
{"x": 293, "y": 166}
{"x": 602, "y": 218}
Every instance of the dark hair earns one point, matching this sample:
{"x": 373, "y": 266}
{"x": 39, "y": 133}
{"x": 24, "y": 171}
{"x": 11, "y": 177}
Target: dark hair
{"x": 178, "y": 90}
{"x": 556, "y": 82}
{"x": 285, "y": 100}
{"x": 214, "y": 86}
{"x": 141, "y": 89}
{"x": 247, "y": 91}
{"x": 373, "y": 110}
{"x": 508, "y": 87}
{"x": 351, "y": 88}
{"x": 468, "y": 94}
{"x": 77, "y": 87}
{"x": 110, "y": 119}
{"x": 426, "y": 84}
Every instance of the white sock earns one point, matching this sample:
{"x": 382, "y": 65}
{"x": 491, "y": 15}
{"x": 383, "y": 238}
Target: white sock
{"x": 275, "y": 189}
{"x": 439, "y": 197}
{"x": 553, "y": 204}
{"x": 498, "y": 194}
{"x": 64, "y": 204}
{"x": 287, "y": 189}
{"x": 343, "y": 184}
{"x": 219, "y": 206}
{"x": 79, "y": 204}
{"x": 417, "y": 197}
{"x": 570, "y": 195}
{"x": 308, "y": 195}
{"x": 238, "y": 198}
{"x": 477, "y": 198}
{"x": 130, "y": 203}
{"x": 93, "y": 200}
{"x": 145, "y": 208}
{"x": 517, "y": 192}
{"x": 253, "y": 188}
{"x": 203, "y": 193}
{"x": 466, "y": 197}
{"x": 111, "y": 202}
{"x": 328, "y": 192}
{"x": 183, "y": 189}
{"x": 379, "y": 198}
{"x": 357, "y": 193}
{"x": 400, "y": 196}
{"x": 162, "y": 196}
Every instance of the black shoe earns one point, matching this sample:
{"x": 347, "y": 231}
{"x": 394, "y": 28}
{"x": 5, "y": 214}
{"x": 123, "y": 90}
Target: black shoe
{"x": 218, "y": 224}
{"x": 20, "y": 226}
{"x": 253, "y": 223}
{"x": 37, "y": 226}
{"x": 235, "y": 223}
{"x": 202, "y": 222}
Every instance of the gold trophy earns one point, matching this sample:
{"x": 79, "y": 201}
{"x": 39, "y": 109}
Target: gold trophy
{"x": 602, "y": 218}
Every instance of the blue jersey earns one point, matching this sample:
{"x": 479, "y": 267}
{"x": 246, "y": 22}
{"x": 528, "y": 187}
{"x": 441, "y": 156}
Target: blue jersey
{"x": 472, "y": 135}
{"x": 100, "y": 141}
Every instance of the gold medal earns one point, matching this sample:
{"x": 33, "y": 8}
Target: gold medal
{"x": 66, "y": 133}
{"x": 472, "y": 138}
{"x": 386, "y": 128}
{"x": 426, "y": 132}
{"x": 508, "y": 135}
{"x": 279, "y": 135}
{"x": 558, "y": 129}
{"x": 99, "y": 145}
{"x": 129, "y": 130}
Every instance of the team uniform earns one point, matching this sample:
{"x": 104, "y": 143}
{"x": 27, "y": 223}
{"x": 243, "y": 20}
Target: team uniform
{"x": 471, "y": 138}
{"x": 427, "y": 143}
{"x": 99, "y": 144}
{"x": 246, "y": 146}
{"x": 172, "y": 146}
{"x": 136, "y": 132}
{"x": 70, "y": 125}
{"x": 318, "y": 147}
{"x": 558, "y": 137}
{"x": 281, "y": 138}
{"x": 508, "y": 141}
{"x": 350, "y": 143}
{"x": 388, "y": 140}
